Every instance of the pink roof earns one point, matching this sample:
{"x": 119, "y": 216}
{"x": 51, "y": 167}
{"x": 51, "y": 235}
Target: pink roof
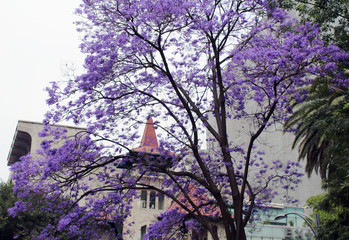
{"x": 198, "y": 200}
{"x": 149, "y": 143}
{"x": 103, "y": 216}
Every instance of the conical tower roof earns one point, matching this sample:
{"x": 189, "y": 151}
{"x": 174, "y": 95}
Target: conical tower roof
{"x": 149, "y": 143}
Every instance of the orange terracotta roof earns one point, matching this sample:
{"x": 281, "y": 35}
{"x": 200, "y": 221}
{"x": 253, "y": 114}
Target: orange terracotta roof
{"x": 149, "y": 143}
{"x": 103, "y": 216}
{"x": 199, "y": 200}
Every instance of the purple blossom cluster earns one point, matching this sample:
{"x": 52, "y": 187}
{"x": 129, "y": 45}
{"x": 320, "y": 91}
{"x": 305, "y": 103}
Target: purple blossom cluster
{"x": 194, "y": 66}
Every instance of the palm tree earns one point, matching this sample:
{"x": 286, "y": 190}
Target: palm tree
{"x": 321, "y": 125}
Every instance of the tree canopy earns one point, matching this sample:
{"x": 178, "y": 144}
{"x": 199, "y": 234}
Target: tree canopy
{"x": 322, "y": 120}
{"x": 333, "y": 210}
{"x": 195, "y": 65}
{"x": 331, "y": 15}
{"x": 25, "y": 225}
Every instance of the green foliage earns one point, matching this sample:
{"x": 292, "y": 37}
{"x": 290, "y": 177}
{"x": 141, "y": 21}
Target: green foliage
{"x": 7, "y": 200}
{"x": 28, "y": 222}
{"x": 325, "y": 215}
{"x": 286, "y": 4}
{"x": 333, "y": 208}
{"x": 331, "y": 15}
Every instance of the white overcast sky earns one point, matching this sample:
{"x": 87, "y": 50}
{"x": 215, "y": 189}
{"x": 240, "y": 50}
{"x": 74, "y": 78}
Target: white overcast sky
{"x": 37, "y": 39}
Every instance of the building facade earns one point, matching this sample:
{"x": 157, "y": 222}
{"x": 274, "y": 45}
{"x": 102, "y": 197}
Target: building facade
{"x": 147, "y": 208}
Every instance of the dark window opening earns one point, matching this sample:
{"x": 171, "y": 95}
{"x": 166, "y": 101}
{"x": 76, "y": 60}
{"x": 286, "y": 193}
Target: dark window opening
{"x": 152, "y": 200}
{"x": 143, "y": 231}
{"x": 161, "y": 201}
{"x": 144, "y": 199}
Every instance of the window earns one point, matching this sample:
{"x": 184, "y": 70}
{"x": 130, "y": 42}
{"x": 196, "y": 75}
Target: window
{"x": 144, "y": 199}
{"x": 161, "y": 201}
{"x": 143, "y": 231}
{"x": 152, "y": 200}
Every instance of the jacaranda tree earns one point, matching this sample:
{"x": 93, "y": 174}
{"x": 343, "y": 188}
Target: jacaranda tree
{"x": 195, "y": 65}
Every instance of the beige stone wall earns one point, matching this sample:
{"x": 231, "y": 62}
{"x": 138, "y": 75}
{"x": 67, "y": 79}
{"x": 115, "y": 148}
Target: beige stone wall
{"x": 141, "y": 216}
{"x": 33, "y": 129}
{"x": 277, "y": 145}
